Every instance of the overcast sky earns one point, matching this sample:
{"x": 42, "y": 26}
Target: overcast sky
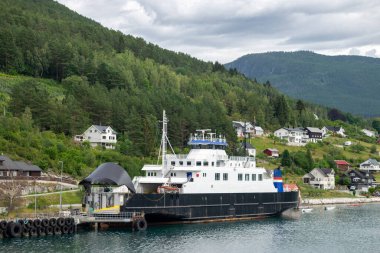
{"x": 223, "y": 30}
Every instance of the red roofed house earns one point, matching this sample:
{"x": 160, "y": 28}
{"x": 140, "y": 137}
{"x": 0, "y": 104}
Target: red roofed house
{"x": 272, "y": 152}
{"x": 342, "y": 165}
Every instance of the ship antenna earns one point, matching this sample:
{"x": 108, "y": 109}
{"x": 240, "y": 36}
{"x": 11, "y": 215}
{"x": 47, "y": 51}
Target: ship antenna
{"x": 164, "y": 139}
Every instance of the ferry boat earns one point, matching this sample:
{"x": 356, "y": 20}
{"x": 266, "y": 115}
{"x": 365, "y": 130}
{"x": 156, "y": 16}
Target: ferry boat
{"x": 207, "y": 184}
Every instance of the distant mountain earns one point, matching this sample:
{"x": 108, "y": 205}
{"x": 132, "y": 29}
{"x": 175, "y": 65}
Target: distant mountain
{"x": 349, "y": 83}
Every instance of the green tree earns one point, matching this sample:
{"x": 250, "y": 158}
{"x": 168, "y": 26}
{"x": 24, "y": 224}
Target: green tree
{"x": 286, "y": 160}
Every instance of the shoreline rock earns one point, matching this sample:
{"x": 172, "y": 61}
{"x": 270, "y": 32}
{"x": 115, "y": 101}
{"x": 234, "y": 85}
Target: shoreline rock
{"x": 339, "y": 201}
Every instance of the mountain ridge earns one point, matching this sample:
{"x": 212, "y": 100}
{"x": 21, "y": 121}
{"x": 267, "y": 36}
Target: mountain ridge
{"x": 348, "y": 83}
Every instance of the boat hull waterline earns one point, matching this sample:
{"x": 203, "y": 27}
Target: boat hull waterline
{"x": 210, "y": 206}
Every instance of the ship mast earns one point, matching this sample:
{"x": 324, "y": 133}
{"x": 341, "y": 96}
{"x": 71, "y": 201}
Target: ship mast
{"x": 164, "y": 137}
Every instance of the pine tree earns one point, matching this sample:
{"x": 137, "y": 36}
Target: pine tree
{"x": 310, "y": 161}
{"x": 286, "y": 159}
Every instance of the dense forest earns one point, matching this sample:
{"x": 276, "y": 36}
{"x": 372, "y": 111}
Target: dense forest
{"x": 349, "y": 83}
{"x": 62, "y": 72}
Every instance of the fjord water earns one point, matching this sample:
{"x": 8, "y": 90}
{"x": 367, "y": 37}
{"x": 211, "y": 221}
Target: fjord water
{"x": 344, "y": 229}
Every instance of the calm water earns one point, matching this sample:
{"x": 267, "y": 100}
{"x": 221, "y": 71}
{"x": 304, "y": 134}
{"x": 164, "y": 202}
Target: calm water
{"x": 344, "y": 229}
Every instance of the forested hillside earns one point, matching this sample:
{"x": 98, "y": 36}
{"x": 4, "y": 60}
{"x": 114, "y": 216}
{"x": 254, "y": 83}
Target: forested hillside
{"x": 349, "y": 83}
{"x": 64, "y": 72}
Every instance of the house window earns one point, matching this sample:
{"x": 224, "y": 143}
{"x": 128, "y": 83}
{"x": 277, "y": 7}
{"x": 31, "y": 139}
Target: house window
{"x": 205, "y": 163}
{"x": 253, "y": 177}
{"x": 172, "y": 163}
{"x": 188, "y": 163}
{"x": 217, "y": 176}
{"x": 246, "y": 177}
{"x": 260, "y": 177}
{"x": 225, "y": 176}
{"x": 90, "y": 131}
{"x": 199, "y": 163}
{"x": 240, "y": 177}
{"x": 104, "y": 137}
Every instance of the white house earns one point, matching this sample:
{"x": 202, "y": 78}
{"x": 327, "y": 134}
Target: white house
{"x": 247, "y": 127}
{"x": 369, "y": 133}
{"x": 370, "y": 165}
{"x": 294, "y": 136}
{"x": 320, "y": 178}
{"x": 97, "y": 135}
{"x": 334, "y": 130}
{"x": 259, "y": 131}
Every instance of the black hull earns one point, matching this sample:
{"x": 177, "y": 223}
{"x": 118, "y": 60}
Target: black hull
{"x": 198, "y": 207}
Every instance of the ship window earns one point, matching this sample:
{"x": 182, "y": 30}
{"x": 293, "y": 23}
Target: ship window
{"x": 253, "y": 177}
{"x": 148, "y": 174}
{"x": 212, "y": 163}
{"x": 154, "y": 174}
{"x": 173, "y": 174}
{"x": 188, "y": 163}
{"x": 181, "y": 163}
{"x": 260, "y": 177}
{"x": 246, "y": 177}
{"x": 173, "y": 163}
{"x": 225, "y": 176}
{"x": 199, "y": 163}
{"x": 240, "y": 177}
{"x": 205, "y": 163}
{"x": 217, "y": 176}
{"x": 204, "y": 174}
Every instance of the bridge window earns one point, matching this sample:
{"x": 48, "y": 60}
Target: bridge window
{"x": 240, "y": 177}
{"x": 260, "y": 177}
{"x": 148, "y": 174}
{"x": 217, "y": 176}
{"x": 173, "y": 163}
{"x": 173, "y": 174}
{"x": 253, "y": 177}
{"x": 188, "y": 163}
{"x": 212, "y": 163}
{"x": 205, "y": 163}
{"x": 199, "y": 163}
{"x": 225, "y": 176}
{"x": 204, "y": 174}
{"x": 181, "y": 163}
{"x": 246, "y": 177}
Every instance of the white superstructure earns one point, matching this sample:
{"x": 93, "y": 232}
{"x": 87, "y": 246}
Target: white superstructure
{"x": 206, "y": 169}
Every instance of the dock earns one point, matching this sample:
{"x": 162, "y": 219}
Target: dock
{"x": 67, "y": 223}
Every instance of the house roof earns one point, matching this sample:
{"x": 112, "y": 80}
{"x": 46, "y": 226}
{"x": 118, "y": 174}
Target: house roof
{"x": 241, "y": 124}
{"x": 258, "y": 128}
{"x": 360, "y": 174}
{"x": 297, "y": 129}
{"x": 103, "y": 129}
{"x": 341, "y": 162}
{"x": 109, "y": 174}
{"x": 314, "y": 129}
{"x": 272, "y": 149}
{"x": 8, "y": 164}
{"x": 371, "y": 161}
{"x": 247, "y": 145}
{"x": 309, "y": 175}
{"x": 326, "y": 171}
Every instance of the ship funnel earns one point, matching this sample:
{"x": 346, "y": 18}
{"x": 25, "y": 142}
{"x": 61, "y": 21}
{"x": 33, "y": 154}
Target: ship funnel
{"x": 277, "y": 180}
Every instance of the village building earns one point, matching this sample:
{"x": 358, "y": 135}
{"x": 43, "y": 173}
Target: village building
{"x": 293, "y": 136}
{"x": 369, "y": 133}
{"x": 359, "y": 180}
{"x": 333, "y": 130}
{"x": 315, "y": 134}
{"x": 370, "y": 165}
{"x": 97, "y": 135}
{"x": 249, "y": 149}
{"x": 320, "y": 178}
{"x": 14, "y": 169}
{"x": 342, "y": 165}
{"x": 271, "y": 152}
{"x": 248, "y": 128}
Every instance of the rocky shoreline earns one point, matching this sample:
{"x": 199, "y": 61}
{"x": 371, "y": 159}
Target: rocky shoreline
{"x": 331, "y": 201}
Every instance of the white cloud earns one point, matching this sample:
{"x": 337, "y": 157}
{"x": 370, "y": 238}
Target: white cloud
{"x": 226, "y": 29}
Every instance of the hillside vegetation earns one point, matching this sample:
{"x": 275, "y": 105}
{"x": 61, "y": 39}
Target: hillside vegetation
{"x": 62, "y": 72}
{"x": 349, "y": 83}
